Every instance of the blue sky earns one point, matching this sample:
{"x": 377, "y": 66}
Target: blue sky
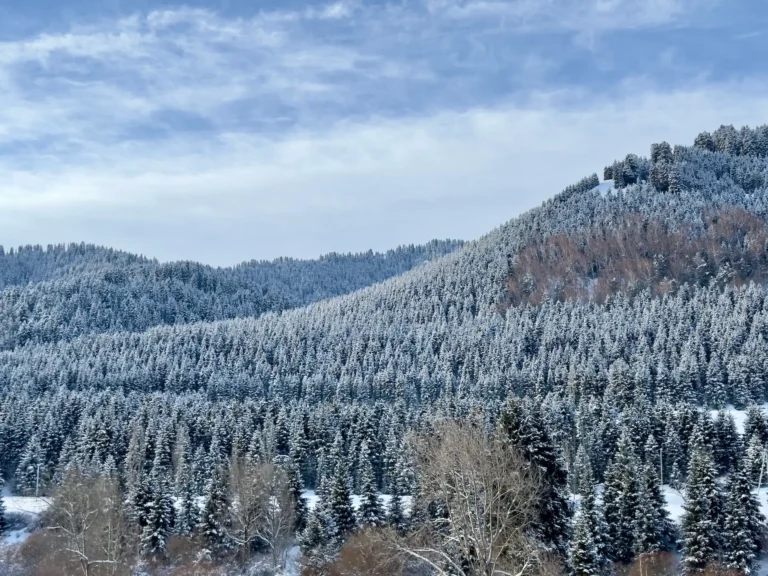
{"x": 227, "y": 130}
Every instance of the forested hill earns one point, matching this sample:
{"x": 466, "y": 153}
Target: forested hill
{"x": 66, "y": 291}
{"x": 592, "y": 331}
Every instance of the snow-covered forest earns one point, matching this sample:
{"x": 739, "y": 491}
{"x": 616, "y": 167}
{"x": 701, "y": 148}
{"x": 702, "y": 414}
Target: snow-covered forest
{"x": 594, "y": 348}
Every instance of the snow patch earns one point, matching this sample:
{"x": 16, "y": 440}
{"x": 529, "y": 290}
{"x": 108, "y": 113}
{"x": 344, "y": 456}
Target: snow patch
{"x": 26, "y": 505}
{"x": 14, "y": 537}
{"x": 311, "y": 497}
{"x": 604, "y": 187}
{"x": 739, "y": 416}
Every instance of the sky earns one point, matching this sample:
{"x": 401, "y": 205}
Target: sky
{"x": 227, "y": 130}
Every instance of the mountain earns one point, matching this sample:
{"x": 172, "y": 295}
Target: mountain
{"x": 66, "y": 291}
{"x": 594, "y": 330}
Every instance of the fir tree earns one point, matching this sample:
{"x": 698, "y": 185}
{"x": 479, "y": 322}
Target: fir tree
{"x": 213, "y": 517}
{"x": 743, "y": 522}
{"x": 370, "y": 512}
{"x": 698, "y": 529}
{"x": 340, "y": 508}
{"x": 593, "y": 515}
{"x": 584, "y": 558}
{"x": 525, "y": 433}
{"x": 622, "y": 501}
{"x": 653, "y": 529}
{"x": 159, "y": 516}
{"x": 3, "y": 521}
{"x": 187, "y": 516}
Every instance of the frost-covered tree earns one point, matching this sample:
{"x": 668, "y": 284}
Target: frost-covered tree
{"x": 743, "y": 523}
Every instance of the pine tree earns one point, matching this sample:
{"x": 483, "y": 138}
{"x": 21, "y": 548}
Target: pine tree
{"x": 621, "y": 499}
{"x": 525, "y": 432}
{"x": 213, "y": 517}
{"x": 755, "y": 461}
{"x": 340, "y": 509}
{"x": 187, "y": 516}
{"x": 653, "y": 532}
{"x": 743, "y": 522}
{"x": 293, "y": 475}
{"x": 698, "y": 528}
{"x": 593, "y": 515}
{"x": 370, "y": 512}
{"x": 584, "y": 558}
{"x": 3, "y": 521}
{"x": 159, "y": 516}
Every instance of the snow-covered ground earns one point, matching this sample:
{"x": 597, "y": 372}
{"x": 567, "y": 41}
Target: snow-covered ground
{"x": 604, "y": 187}
{"x": 312, "y": 499}
{"x": 26, "y": 505}
{"x": 739, "y": 416}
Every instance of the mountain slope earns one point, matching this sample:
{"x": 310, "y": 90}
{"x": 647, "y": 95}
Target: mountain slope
{"x": 66, "y": 291}
{"x": 433, "y": 327}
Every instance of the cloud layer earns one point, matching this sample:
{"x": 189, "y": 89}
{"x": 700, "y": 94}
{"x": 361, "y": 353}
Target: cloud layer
{"x": 188, "y": 133}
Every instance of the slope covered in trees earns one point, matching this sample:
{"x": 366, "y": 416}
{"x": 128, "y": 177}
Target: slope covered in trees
{"x": 610, "y": 386}
{"x": 66, "y": 291}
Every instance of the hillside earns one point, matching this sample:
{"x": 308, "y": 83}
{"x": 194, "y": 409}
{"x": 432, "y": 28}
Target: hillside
{"x": 592, "y": 331}
{"x": 66, "y": 291}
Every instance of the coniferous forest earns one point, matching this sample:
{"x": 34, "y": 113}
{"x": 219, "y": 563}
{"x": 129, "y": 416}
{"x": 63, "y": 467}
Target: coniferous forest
{"x": 530, "y": 402}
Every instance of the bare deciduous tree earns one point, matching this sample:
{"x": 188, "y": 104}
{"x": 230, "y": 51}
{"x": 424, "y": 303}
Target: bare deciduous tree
{"x": 263, "y": 509}
{"x": 480, "y": 501}
{"x": 87, "y": 519}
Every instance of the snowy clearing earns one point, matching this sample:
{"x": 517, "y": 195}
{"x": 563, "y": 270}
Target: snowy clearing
{"x": 739, "y": 416}
{"x": 604, "y": 187}
{"x": 26, "y": 505}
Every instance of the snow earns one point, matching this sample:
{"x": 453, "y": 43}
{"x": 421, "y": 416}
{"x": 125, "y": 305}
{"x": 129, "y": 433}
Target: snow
{"x": 739, "y": 416}
{"x": 675, "y": 503}
{"x": 604, "y": 187}
{"x": 26, "y": 505}
{"x": 312, "y": 499}
{"x": 13, "y": 537}
{"x": 292, "y": 565}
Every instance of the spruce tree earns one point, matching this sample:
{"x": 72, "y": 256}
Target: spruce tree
{"x": 743, "y": 522}
{"x": 593, "y": 516}
{"x": 3, "y": 521}
{"x": 340, "y": 508}
{"x": 622, "y": 501}
{"x": 370, "y": 512}
{"x": 187, "y": 516}
{"x": 159, "y": 516}
{"x": 653, "y": 529}
{"x": 698, "y": 530}
{"x": 213, "y": 517}
{"x": 584, "y": 558}
{"x": 524, "y": 432}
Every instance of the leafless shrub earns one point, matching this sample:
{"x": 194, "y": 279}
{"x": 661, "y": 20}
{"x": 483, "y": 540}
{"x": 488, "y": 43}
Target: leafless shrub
{"x": 263, "y": 509}
{"x": 480, "y": 502}
{"x": 87, "y": 521}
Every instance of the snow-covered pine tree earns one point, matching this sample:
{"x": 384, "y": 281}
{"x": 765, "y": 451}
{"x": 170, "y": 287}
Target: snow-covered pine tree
{"x": 756, "y": 461}
{"x": 370, "y": 512}
{"x": 340, "y": 509}
{"x": 187, "y": 517}
{"x": 3, "y": 521}
{"x": 584, "y": 559}
{"x": 293, "y": 475}
{"x": 525, "y": 433}
{"x": 213, "y": 516}
{"x": 622, "y": 501}
{"x": 743, "y": 523}
{"x": 654, "y": 530}
{"x": 593, "y": 515}
{"x": 159, "y": 516}
{"x": 698, "y": 530}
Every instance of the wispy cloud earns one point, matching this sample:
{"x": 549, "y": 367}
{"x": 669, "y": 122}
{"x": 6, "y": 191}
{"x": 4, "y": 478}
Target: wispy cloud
{"x": 178, "y": 130}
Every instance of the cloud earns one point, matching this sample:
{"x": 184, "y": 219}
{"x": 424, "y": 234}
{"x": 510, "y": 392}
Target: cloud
{"x": 183, "y": 133}
{"x": 389, "y": 181}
